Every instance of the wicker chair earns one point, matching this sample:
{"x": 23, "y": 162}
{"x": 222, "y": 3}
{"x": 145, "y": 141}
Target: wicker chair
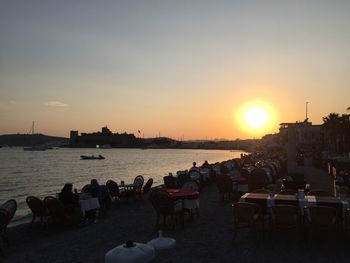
{"x": 138, "y": 183}
{"x": 58, "y": 214}
{"x": 166, "y": 207}
{"x": 113, "y": 189}
{"x": 7, "y": 211}
{"x": 4, "y": 218}
{"x": 246, "y": 215}
{"x": 37, "y": 207}
{"x": 225, "y": 186}
{"x": 147, "y": 187}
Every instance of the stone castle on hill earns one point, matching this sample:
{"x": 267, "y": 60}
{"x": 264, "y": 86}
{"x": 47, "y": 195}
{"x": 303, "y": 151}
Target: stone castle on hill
{"x": 104, "y": 138}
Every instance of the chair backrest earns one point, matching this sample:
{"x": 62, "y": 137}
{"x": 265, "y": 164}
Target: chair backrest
{"x": 285, "y": 216}
{"x": 147, "y": 186}
{"x": 288, "y": 192}
{"x": 244, "y": 173}
{"x": 4, "y": 220}
{"x": 294, "y": 184}
{"x": 191, "y": 185}
{"x": 183, "y": 178}
{"x": 10, "y": 206}
{"x": 138, "y": 182}
{"x": 113, "y": 188}
{"x": 224, "y": 183}
{"x": 260, "y": 191}
{"x": 171, "y": 182}
{"x": 319, "y": 192}
{"x": 54, "y": 207}
{"x": 245, "y": 212}
{"x": 194, "y": 175}
{"x": 162, "y": 201}
{"x": 322, "y": 215}
{"x": 257, "y": 179}
{"x": 85, "y": 188}
{"x": 36, "y": 205}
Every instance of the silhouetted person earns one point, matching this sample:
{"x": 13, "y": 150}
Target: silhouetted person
{"x": 100, "y": 192}
{"x": 194, "y": 168}
{"x": 67, "y": 197}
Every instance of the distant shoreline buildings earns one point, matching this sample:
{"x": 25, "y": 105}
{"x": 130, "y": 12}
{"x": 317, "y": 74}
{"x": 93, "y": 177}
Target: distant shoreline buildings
{"x": 104, "y": 138}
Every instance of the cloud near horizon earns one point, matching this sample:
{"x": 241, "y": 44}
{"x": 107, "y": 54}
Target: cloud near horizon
{"x": 55, "y": 104}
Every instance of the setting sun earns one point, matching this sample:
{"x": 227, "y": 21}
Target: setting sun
{"x": 256, "y": 118}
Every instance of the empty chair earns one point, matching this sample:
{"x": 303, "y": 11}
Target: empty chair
{"x": 113, "y": 189}
{"x": 37, "y": 207}
{"x": 147, "y": 187}
{"x": 257, "y": 179}
{"x": 4, "y": 218}
{"x": 138, "y": 183}
{"x": 321, "y": 219}
{"x": 166, "y": 207}
{"x": 193, "y": 204}
{"x": 288, "y": 192}
{"x": 284, "y": 217}
{"x": 7, "y": 211}
{"x": 58, "y": 214}
{"x": 11, "y": 207}
{"x": 170, "y": 182}
{"x": 225, "y": 186}
{"x": 245, "y": 215}
{"x": 319, "y": 192}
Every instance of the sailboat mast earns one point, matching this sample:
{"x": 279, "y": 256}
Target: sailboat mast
{"x": 33, "y": 128}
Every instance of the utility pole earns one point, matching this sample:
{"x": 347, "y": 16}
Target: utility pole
{"x": 306, "y": 117}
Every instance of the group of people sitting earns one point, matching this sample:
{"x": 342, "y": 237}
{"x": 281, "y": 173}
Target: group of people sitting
{"x": 70, "y": 198}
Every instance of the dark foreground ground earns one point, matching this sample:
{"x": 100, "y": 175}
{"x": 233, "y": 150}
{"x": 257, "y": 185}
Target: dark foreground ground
{"x": 206, "y": 239}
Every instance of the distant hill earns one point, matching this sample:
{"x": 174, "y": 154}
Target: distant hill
{"x": 31, "y": 140}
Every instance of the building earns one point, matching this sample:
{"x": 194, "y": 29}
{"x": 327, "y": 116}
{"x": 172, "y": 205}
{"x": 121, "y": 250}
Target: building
{"x": 301, "y": 141}
{"x": 103, "y": 138}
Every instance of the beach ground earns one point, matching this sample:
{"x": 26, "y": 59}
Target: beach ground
{"x": 207, "y": 238}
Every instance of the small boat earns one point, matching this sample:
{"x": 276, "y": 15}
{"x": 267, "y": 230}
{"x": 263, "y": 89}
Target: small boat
{"x": 35, "y": 148}
{"x": 91, "y": 157}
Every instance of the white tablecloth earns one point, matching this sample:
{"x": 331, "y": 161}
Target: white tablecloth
{"x": 88, "y": 204}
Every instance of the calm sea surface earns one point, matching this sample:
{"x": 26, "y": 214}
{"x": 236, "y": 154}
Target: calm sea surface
{"x": 24, "y": 173}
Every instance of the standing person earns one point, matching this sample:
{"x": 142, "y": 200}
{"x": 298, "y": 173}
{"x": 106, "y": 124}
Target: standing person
{"x": 194, "y": 168}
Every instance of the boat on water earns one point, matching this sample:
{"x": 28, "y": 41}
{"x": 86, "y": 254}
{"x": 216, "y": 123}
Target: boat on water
{"x": 35, "y": 148}
{"x": 92, "y": 157}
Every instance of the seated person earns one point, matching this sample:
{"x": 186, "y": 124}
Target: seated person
{"x": 101, "y": 192}
{"x": 67, "y": 197}
{"x": 70, "y": 201}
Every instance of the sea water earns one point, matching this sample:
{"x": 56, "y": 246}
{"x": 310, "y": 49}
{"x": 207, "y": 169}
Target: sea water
{"x": 43, "y": 173}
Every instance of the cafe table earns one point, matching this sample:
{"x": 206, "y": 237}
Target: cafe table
{"x": 311, "y": 200}
{"x": 87, "y": 204}
{"x": 190, "y": 199}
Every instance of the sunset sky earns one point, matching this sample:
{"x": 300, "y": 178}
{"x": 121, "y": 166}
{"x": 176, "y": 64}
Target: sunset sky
{"x": 188, "y": 69}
